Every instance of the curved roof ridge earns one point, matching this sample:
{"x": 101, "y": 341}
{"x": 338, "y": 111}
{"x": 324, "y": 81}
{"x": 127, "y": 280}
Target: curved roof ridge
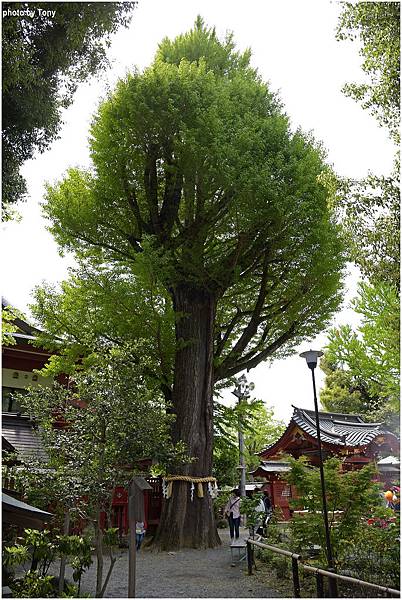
{"x": 363, "y": 424}
{"x": 331, "y": 415}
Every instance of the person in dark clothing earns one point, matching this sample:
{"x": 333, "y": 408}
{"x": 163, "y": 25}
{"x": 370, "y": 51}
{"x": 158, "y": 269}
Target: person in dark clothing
{"x": 267, "y": 502}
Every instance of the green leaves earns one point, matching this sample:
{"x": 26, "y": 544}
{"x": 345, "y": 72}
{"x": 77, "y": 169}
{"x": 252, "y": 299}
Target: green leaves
{"x": 45, "y": 547}
{"x": 197, "y": 178}
{"x": 249, "y": 506}
{"x": 259, "y": 427}
{"x": 15, "y": 555}
{"x": 362, "y": 366}
{"x": 351, "y": 496}
{"x": 377, "y": 24}
{"x": 44, "y": 60}
{"x": 370, "y": 214}
{"x": 114, "y": 418}
{"x": 369, "y": 358}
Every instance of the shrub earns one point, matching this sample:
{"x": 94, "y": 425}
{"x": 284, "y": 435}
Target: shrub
{"x": 40, "y": 549}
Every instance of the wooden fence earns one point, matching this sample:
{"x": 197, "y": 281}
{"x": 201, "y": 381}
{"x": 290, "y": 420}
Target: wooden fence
{"x": 319, "y": 573}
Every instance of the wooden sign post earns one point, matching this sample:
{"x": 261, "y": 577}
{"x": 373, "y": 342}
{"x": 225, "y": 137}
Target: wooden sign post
{"x": 136, "y": 512}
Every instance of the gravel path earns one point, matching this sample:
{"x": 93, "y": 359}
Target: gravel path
{"x": 183, "y": 574}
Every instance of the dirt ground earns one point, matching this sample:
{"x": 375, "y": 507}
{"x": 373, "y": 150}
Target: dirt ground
{"x": 183, "y": 574}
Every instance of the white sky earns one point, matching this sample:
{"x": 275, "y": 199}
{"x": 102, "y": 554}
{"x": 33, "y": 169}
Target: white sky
{"x": 294, "y": 47}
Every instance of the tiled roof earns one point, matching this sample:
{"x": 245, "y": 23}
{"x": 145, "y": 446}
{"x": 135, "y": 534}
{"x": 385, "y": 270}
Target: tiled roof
{"x": 338, "y": 429}
{"x": 19, "y": 431}
{"x": 11, "y": 502}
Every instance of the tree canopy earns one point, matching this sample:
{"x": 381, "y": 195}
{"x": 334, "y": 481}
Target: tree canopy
{"x": 370, "y": 207}
{"x": 377, "y": 26}
{"x": 45, "y": 55}
{"x": 368, "y": 359}
{"x": 196, "y": 159}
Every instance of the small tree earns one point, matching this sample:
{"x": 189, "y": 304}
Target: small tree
{"x": 259, "y": 430}
{"x": 352, "y": 497}
{"x": 39, "y": 549}
{"x": 112, "y": 417}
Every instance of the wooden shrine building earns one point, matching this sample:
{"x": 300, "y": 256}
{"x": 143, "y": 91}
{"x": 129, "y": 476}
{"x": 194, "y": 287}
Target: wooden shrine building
{"x": 348, "y": 437}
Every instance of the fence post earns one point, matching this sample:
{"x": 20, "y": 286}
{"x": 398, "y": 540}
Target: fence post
{"x": 249, "y": 558}
{"x": 333, "y": 587}
{"x": 320, "y": 585}
{"x": 296, "y": 581}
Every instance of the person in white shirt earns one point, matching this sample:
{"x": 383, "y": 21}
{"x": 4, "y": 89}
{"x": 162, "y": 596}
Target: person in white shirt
{"x": 232, "y": 511}
{"x": 139, "y": 533}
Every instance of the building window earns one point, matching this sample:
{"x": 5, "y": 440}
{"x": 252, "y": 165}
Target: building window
{"x": 286, "y": 491}
{"x": 9, "y": 402}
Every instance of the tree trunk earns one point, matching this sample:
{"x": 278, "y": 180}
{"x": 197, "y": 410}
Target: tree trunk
{"x": 63, "y": 560}
{"x": 187, "y": 523}
{"x": 99, "y": 555}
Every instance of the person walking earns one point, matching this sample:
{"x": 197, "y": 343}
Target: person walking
{"x": 232, "y": 512}
{"x": 140, "y": 531}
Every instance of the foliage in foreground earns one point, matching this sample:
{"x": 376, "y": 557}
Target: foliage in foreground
{"x": 366, "y": 549}
{"x": 36, "y": 551}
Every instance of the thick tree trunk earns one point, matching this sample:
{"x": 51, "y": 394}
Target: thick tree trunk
{"x": 187, "y": 523}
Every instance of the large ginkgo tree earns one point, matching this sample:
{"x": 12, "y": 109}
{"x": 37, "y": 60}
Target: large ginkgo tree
{"x": 194, "y": 163}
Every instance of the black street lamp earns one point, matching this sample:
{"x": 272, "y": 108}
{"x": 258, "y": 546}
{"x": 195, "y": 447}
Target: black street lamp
{"x": 311, "y": 357}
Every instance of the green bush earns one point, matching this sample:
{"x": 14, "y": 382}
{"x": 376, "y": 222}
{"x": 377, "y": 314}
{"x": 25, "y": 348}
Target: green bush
{"x": 219, "y": 504}
{"x": 41, "y": 549}
{"x": 282, "y": 566}
{"x": 34, "y": 585}
{"x": 368, "y": 552}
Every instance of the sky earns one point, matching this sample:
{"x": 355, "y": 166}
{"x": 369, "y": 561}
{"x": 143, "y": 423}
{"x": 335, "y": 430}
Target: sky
{"x": 294, "y": 48}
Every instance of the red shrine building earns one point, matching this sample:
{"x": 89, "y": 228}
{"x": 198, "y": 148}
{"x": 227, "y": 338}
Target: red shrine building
{"x": 19, "y": 437}
{"x": 348, "y": 437}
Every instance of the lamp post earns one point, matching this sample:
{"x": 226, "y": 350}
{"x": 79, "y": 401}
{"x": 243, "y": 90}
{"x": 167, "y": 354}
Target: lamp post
{"x": 242, "y": 392}
{"x": 311, "y": 357}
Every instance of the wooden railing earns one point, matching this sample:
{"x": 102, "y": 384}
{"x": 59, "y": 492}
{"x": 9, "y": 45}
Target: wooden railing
{"x": 319, "y": 573}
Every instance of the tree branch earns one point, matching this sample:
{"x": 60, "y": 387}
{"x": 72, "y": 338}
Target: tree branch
{"x": 221, "y": 344}
{"x": 134, "y": 206}
{"x": 151, "y": 190}
{"x": 228, "y": 370}
{"x": 254, "y": 322}
{"x": 171, "y": 200}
